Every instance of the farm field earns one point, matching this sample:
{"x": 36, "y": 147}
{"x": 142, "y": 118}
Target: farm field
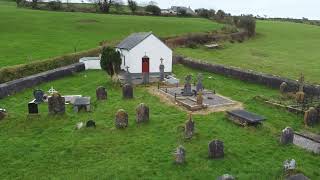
{"x": 280, "y": 48}
{"x": 50, "y": 148}
{"x": 29, "y": 35}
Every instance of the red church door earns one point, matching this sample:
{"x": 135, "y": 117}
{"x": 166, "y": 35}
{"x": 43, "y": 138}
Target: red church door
{"x": 145, "y": 65}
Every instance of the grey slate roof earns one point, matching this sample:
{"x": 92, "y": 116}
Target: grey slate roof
{"x": 133, "y": 40}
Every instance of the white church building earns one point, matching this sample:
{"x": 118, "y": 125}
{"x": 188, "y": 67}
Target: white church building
{"x": 143, "y": 53}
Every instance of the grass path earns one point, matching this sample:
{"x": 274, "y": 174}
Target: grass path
{"x": 28, "y": 35}
{"x": 280, "y": 48}
{"x": 48, "y": 147}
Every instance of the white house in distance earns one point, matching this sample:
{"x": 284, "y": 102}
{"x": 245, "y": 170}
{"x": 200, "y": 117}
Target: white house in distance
{"x": 143, "y": 52}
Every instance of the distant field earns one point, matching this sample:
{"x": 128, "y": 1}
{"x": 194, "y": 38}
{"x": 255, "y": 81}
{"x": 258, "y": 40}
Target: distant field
{"x": 28, "y": 35}
{"x": 280, "y": 48}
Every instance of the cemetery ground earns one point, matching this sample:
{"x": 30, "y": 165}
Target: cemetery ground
{"x": 31, "y": 35}
{"x": 50, "y": 147}
{"x": 280, "y": 48}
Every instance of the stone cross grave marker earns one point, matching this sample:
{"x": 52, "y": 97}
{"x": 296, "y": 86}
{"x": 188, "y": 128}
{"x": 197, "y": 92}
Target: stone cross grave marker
{"x": 161, "y": 68}
{"x": 56, "y": 104}
{"x": 199, "y": 83}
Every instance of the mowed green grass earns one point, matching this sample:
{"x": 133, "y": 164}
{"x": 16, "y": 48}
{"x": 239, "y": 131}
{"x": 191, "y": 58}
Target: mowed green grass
{"x": 280, "y": 48}
{"x": 29, "y": 35}
{"x": 48, "y": 147}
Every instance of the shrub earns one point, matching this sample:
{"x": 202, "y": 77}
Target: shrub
{"x": 54, "y": 5}
{"x": 248, "y": 23}
{"x": 132, "y": 6}
{"x": 23, "y": 70}
{"x": 111, "y": 61}
{"x": 154, "y": 10}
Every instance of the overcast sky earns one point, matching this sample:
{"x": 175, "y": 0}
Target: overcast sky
{"x": 273, "y": 8}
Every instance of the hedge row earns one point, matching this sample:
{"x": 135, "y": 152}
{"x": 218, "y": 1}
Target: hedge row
{"x": 23, "y": 70}
{"x": 202, "y": 38}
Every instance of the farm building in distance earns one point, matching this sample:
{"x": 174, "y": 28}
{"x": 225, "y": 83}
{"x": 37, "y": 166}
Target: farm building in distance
{"x": 143, "y": 53}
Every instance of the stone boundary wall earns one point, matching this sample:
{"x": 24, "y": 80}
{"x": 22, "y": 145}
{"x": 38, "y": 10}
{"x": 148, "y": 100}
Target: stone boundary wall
{"x": 15, "y": 86}
{"x": 269, "y": 80}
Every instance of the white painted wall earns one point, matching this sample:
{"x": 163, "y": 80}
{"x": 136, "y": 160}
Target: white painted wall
{"x": 91, "y": 62}
{"x": 155, "y": 49}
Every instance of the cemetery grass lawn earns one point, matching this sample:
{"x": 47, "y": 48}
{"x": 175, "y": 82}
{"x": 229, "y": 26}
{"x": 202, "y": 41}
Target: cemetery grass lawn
{"x": 48, "y": 147}
{"x": 28, "y": 35}
{"x": 280, "y": 48}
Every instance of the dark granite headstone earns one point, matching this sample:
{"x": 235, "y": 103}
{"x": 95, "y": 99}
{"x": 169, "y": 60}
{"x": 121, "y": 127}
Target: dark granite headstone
{"x": 56, "y": 104}
{"x": 121, "y": 120}
{"x": 33, "y": 108}
{"x": 311, "y": 117}
{"x": 142, "y": 113}
{"x": 180, "y": 155}
{"x": 216, "y": 149}
{"x": 187, "y": 90}
{"x": 91, "y": 124}
{"x": 287, "y": 136}
{"x": 127, "y": 91}
{"x": 38, "y": 95}
{"x": 189, "y": 128}
{"x": 101, "y": 93}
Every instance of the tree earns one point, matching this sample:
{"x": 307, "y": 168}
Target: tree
{"x": 248, "y": 23}
{"x": 133, "y": 6}
{"x": 153, "y": 9}
{"x": 111, "y": 61}
{"x": 220, "y": 15}
{"x": 181, "y": 12}
{"x": 118, "y": 4}
{"x": 34, "y": 4}
{"x": 103, "y": 5}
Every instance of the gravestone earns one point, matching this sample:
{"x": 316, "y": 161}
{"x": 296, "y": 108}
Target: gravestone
{"x": 189, "y": 127}
{"x": 200, "y": 98}
{"x": 56, "y": 104}
{"x": 38, "y": 95}
{"x": 101, "y": 93}
{"x": 283, "y": 87}
{"x": 226, "y": 177}
{"x": 161, "y": 68}
{"x": 311, "y": 117}
{"x": 2, "y": 113}
{"x": 142, "y": 113}
{"x": 79, "y": 125}
{"x": 216, "y": 149}
{"x": 180, "y": 155}
{"x": 121, "y": 120}
{"x": 127, "y": 77}
{"x": 289, "y": 165}
{"x": 91, "y": 124}
{"x": 33, "y": 108}
{"x": 199, "y": 86}
{"x": 287, "y": 136}
{"x": 127, "y": 91}
{"x": 81, "y": 103}
{"x": 187, "y": 90}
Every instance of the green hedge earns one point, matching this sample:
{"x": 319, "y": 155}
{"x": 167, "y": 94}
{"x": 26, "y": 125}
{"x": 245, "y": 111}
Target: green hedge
{"x": 23, "y": 70}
